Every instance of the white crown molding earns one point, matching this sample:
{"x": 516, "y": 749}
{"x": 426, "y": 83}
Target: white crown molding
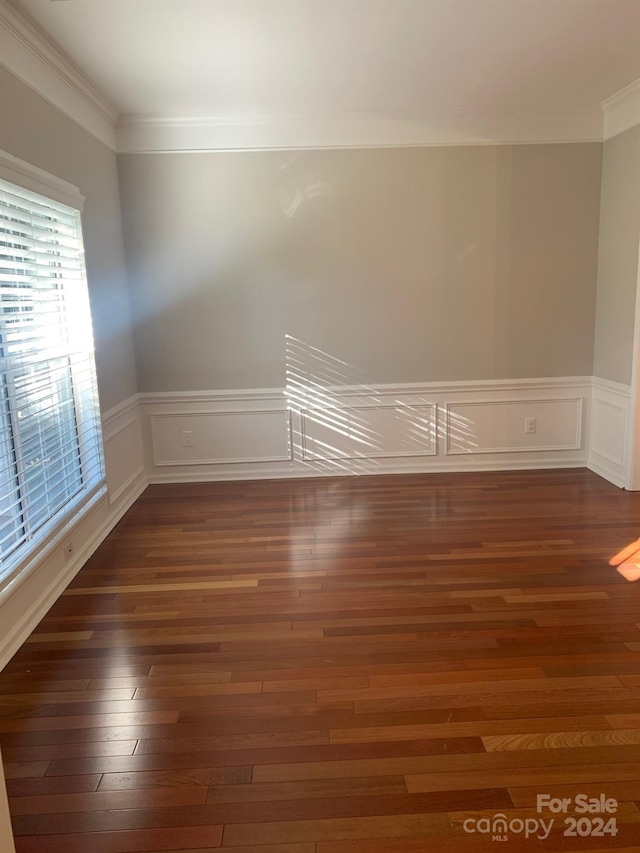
{"x": 622, "y": 110}
{"x": 34, "y": 59}
{"x": 137, "y": 134}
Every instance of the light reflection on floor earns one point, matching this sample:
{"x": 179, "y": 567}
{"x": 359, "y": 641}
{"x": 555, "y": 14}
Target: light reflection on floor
{"x": 627, "y": 561}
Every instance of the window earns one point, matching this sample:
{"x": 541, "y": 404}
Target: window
{"x": 50, "y": 435}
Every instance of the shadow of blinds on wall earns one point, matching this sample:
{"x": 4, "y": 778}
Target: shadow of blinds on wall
{"x": 51, "y": 459}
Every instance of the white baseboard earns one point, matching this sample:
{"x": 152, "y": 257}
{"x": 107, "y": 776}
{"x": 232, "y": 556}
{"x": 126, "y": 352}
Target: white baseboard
{"x": 319, "y": 471}
{"x": 607, "y": 472}
{"x": 310, "y": 430}
{"x": 25, "y": 601}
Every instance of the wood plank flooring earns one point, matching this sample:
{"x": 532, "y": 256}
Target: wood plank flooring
{"x": 344, "y": 665}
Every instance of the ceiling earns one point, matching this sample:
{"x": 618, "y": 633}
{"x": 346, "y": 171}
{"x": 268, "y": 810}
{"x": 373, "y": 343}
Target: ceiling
{"x": 320, "y": 58}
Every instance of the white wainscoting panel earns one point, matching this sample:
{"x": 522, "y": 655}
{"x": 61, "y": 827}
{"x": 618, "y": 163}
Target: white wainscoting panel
{"x": 388, "y": 430}
{"x": 217, "y": 438}
{"x": 457, "y": 426}
{"x": 491, "y": 426}
{"x": 610, "y": 430}
{"x": 123, "y": 448}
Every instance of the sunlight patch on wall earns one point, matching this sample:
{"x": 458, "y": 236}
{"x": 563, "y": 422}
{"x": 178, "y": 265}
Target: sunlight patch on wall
{"x": 345, "y": 425}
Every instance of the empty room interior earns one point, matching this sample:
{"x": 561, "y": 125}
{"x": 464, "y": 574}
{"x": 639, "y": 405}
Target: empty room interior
{"x": 319, "y": 426}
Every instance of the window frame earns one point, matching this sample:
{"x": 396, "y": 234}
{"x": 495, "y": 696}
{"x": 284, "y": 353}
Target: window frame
{"x": 53, "y": 533}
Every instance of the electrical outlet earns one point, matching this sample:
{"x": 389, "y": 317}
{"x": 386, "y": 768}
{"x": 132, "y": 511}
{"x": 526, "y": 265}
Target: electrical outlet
{"x": 68, "y": 550}
{"x": 530, "y": 426}
{"x": 187, "y": 438}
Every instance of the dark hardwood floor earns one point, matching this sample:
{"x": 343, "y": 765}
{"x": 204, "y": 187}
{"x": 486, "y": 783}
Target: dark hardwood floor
{"x": 353, "y": 665}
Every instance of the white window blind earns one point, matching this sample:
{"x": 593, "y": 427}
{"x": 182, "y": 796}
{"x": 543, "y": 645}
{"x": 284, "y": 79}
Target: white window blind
{"x": 50, "y": 434}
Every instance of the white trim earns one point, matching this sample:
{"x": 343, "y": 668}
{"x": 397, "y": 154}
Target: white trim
{"x": 28, "y": 177}
{"x": 617, "y": 460}
{"x": 621, "y": 110}
{"x": 434, "y": 467}
{"x": 611, "y": 387}
{"x": 36, "y": 60}
{"x": 129, "y": 450}
{"x": 577, "y": 444}
{"x": 607, "y": 471}
{"x": 130, "y": 417}
{"x": 609, "y": 445}
{"x": 119, "y": 409}
{"x": 140, "y": 134}
{"x": 386, "y": 390}
{"x": 219, "y": 459}
{"x": 469, "y": 385}
{"x": 33, "y": 57}
{"x": 214, "y": 461}
{"x": 253, "y": 394}
{"x": 135, "y": 483}
{"x": 120, "y": 416}
{"x": 306, "y": 416}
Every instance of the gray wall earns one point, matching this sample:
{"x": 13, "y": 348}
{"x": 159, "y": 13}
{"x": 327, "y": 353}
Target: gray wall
{"x": 618, "y": 257}
{"x": 408, "y": 265}
{"x": 33, "y": 130}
